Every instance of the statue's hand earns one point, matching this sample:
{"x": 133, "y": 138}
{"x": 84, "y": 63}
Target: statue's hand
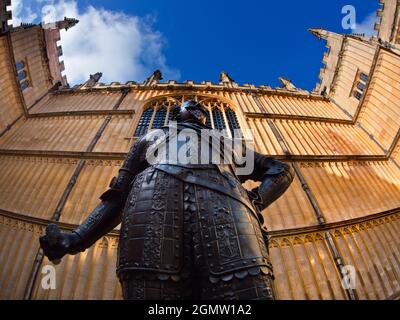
{"x": 56, "y": 244}
{"x": 255, "y": 198}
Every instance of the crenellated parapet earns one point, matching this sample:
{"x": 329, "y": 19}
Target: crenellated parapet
{"x": 54, "y": 50}
{"x": 154, "y": 83}
{"x": 334, "y": 45}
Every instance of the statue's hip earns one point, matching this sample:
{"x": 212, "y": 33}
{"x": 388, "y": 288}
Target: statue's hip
{"x": 167, "y": 210}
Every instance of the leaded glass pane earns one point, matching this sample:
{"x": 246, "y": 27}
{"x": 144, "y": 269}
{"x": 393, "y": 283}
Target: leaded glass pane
{"x": 208, "y": 123}
{"x": 357, "y": 95}
{"x": 218, "y": 118}
{"x": 159, "y": 118}
{"x": 24, "y": 85}
{"x": 21, "y": 75}
{"x": 144, "y": 123}
{"x": 20, "y": 65}
{"x": 364, "y": 77}
{"x": 233, "y": 122}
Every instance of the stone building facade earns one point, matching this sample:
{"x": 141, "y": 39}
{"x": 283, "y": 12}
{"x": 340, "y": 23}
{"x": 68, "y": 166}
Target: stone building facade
{"x": 60, "y": 147}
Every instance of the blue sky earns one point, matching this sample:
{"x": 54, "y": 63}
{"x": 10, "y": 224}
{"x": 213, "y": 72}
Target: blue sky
{"x": 255, "y": 41}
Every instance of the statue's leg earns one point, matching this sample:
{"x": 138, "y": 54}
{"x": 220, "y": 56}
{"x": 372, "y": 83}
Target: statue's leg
{"x": 230, "y": 252}
{"x": 147, "y": 285}
{"x": 155, "y": 249}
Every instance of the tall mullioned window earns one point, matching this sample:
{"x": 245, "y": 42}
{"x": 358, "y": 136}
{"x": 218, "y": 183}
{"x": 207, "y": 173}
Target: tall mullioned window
{"x": 22, "y": 75}
{"x": 360, "y": 85}
{"x": 160, "y": 112}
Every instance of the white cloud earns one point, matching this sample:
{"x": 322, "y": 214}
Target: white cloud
{"x": 367, "y": 26}
{"x": 22, "y": 12}
{"x": 123, "y": 47}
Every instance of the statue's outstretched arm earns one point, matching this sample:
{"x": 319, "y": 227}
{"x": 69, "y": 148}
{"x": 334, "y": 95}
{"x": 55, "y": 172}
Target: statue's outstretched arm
{"x": 275, "y": 177}
{"x": 105, "y": 217}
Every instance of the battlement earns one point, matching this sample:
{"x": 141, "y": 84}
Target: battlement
{"x": 54, "y": 50}
{"x": 190, "y": 85}
{"x": 287, "y": 88}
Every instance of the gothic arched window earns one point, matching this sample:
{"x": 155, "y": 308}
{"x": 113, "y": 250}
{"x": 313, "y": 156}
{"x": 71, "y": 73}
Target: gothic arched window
{"x": 223, "y": 116}
{"x": 160, "y": 112}
{"x": 144, "y": 122}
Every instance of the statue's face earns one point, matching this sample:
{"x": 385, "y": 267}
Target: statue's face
{"x": 200, "y": 116}
{"x": 192, "y": 111}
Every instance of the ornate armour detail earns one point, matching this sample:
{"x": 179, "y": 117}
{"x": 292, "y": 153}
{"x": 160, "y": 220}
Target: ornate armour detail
{"x": 225, "y": 233}
{"x": 152, "y": 227}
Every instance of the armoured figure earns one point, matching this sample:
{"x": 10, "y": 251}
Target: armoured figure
{"x": 189, "y": 231}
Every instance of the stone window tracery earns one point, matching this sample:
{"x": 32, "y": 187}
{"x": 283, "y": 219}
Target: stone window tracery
{"x": 159, "y": 113}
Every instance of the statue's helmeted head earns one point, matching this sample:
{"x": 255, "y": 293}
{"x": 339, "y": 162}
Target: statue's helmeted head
{"x": 191, "y": 111}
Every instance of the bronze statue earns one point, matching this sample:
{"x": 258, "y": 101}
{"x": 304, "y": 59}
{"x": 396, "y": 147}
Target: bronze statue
{"x": 189, "y": 231}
